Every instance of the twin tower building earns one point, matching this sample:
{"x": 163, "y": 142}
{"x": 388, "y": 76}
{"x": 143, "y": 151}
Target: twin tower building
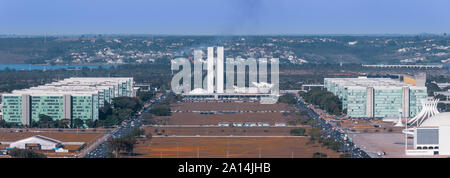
{"x": 228, "y": 78}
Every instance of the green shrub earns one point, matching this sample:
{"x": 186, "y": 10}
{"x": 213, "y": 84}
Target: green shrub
{"x": 298, "y": 132}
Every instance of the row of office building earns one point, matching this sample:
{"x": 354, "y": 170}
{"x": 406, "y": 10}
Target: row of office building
{"x": 72, "y": 98}
{"x": 379, "y": 97}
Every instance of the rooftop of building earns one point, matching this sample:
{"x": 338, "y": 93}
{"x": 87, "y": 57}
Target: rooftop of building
{"x": 363, "y": 82}
{"x": 441, "y": 119}
{"x": 51, "y": 92}
{"x": 74, "y": 86}
{"x": 88, "y": 81}
{"x": 37, "y": 138}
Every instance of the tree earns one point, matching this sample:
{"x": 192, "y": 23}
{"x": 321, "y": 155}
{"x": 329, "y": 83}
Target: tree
{"x": 325, "y": 99}
{"x": 129, "y": 145}
{"x": 171, "y": 98}
{"x": 45, "y": 121}
{"x": 147, "y": 118}
{"x": 23, "y": 153}
{"x": 121, "y": 109}
{"x": 288, "y": 98}
{"x": 105, "y": 111}
{"x": 145, "y": 96}
{"x": 91, "y": 124}
{"x": 319, "y": 155}
{"x": 314, "y": 134}
{"x": 123, "y": 114}
{"x": 122, "y": 144}
{"x": 160, "y": 110}
{"x": 77, "y": 123}
{"x": 431, "y": 88}
{"x": 135, "y": 133}
{"x": 2, "y": 123}
{"x": 116, "y": 145}
{"x": 109, "y": 121}
{"x": 298, "y": 131}
{"x": 125, "y": 102}
{"x": 63, "y": 123}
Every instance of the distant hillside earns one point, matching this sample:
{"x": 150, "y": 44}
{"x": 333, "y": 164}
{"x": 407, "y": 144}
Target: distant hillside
{"x": 21, "y": 50}
{"x": 421, "y": 49}
{"x": 8, "y": 58}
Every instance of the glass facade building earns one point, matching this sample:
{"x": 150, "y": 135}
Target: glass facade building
{"x": 12, "y": 108}
{"x": 377, "y": 97}
{"x": 72, "y": 98}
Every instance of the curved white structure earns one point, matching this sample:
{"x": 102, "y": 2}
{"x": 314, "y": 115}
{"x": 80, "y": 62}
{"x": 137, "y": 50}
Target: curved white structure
{"x": 441, "y": 119}
{"x": 429, "y": 109}
{"x": 45, "y": 143}
{"x": 430, "y": 130}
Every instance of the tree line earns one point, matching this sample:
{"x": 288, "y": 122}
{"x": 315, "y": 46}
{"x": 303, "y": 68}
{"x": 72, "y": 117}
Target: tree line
{"x": 24, "y": 153}
{"x": 325, "y": 99}
{"x": 288, "y": 98}
{"x": 163, "y": 108}
{"x": 126, "y": 143}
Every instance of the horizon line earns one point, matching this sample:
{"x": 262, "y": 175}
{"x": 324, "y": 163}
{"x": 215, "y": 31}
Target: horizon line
{"x": 268, "y": 34}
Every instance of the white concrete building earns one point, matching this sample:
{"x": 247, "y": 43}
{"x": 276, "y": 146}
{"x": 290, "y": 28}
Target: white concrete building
{"x": 71, "y": 98}
{"x": 431, "y": 131}
{"x": 219, "y": 84}
{"x": 44, "y": 143}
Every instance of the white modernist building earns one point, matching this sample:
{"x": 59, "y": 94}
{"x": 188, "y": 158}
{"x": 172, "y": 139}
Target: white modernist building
{"x": 217, "y": 90}
{"x": 71, "y": 98}
{"x": 429, "y": 109}
{"x": 430, "y": 130}
{"x": 44, "y": 143}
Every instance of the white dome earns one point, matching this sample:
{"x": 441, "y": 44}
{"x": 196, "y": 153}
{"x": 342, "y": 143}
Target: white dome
{"x": 440, "y": 119}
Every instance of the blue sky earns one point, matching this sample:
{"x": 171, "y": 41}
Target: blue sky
{"x": 224, "y": 17}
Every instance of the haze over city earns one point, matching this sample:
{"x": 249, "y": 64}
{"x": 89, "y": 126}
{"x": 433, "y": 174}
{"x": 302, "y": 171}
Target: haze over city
{"x": 223, "y": 17}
